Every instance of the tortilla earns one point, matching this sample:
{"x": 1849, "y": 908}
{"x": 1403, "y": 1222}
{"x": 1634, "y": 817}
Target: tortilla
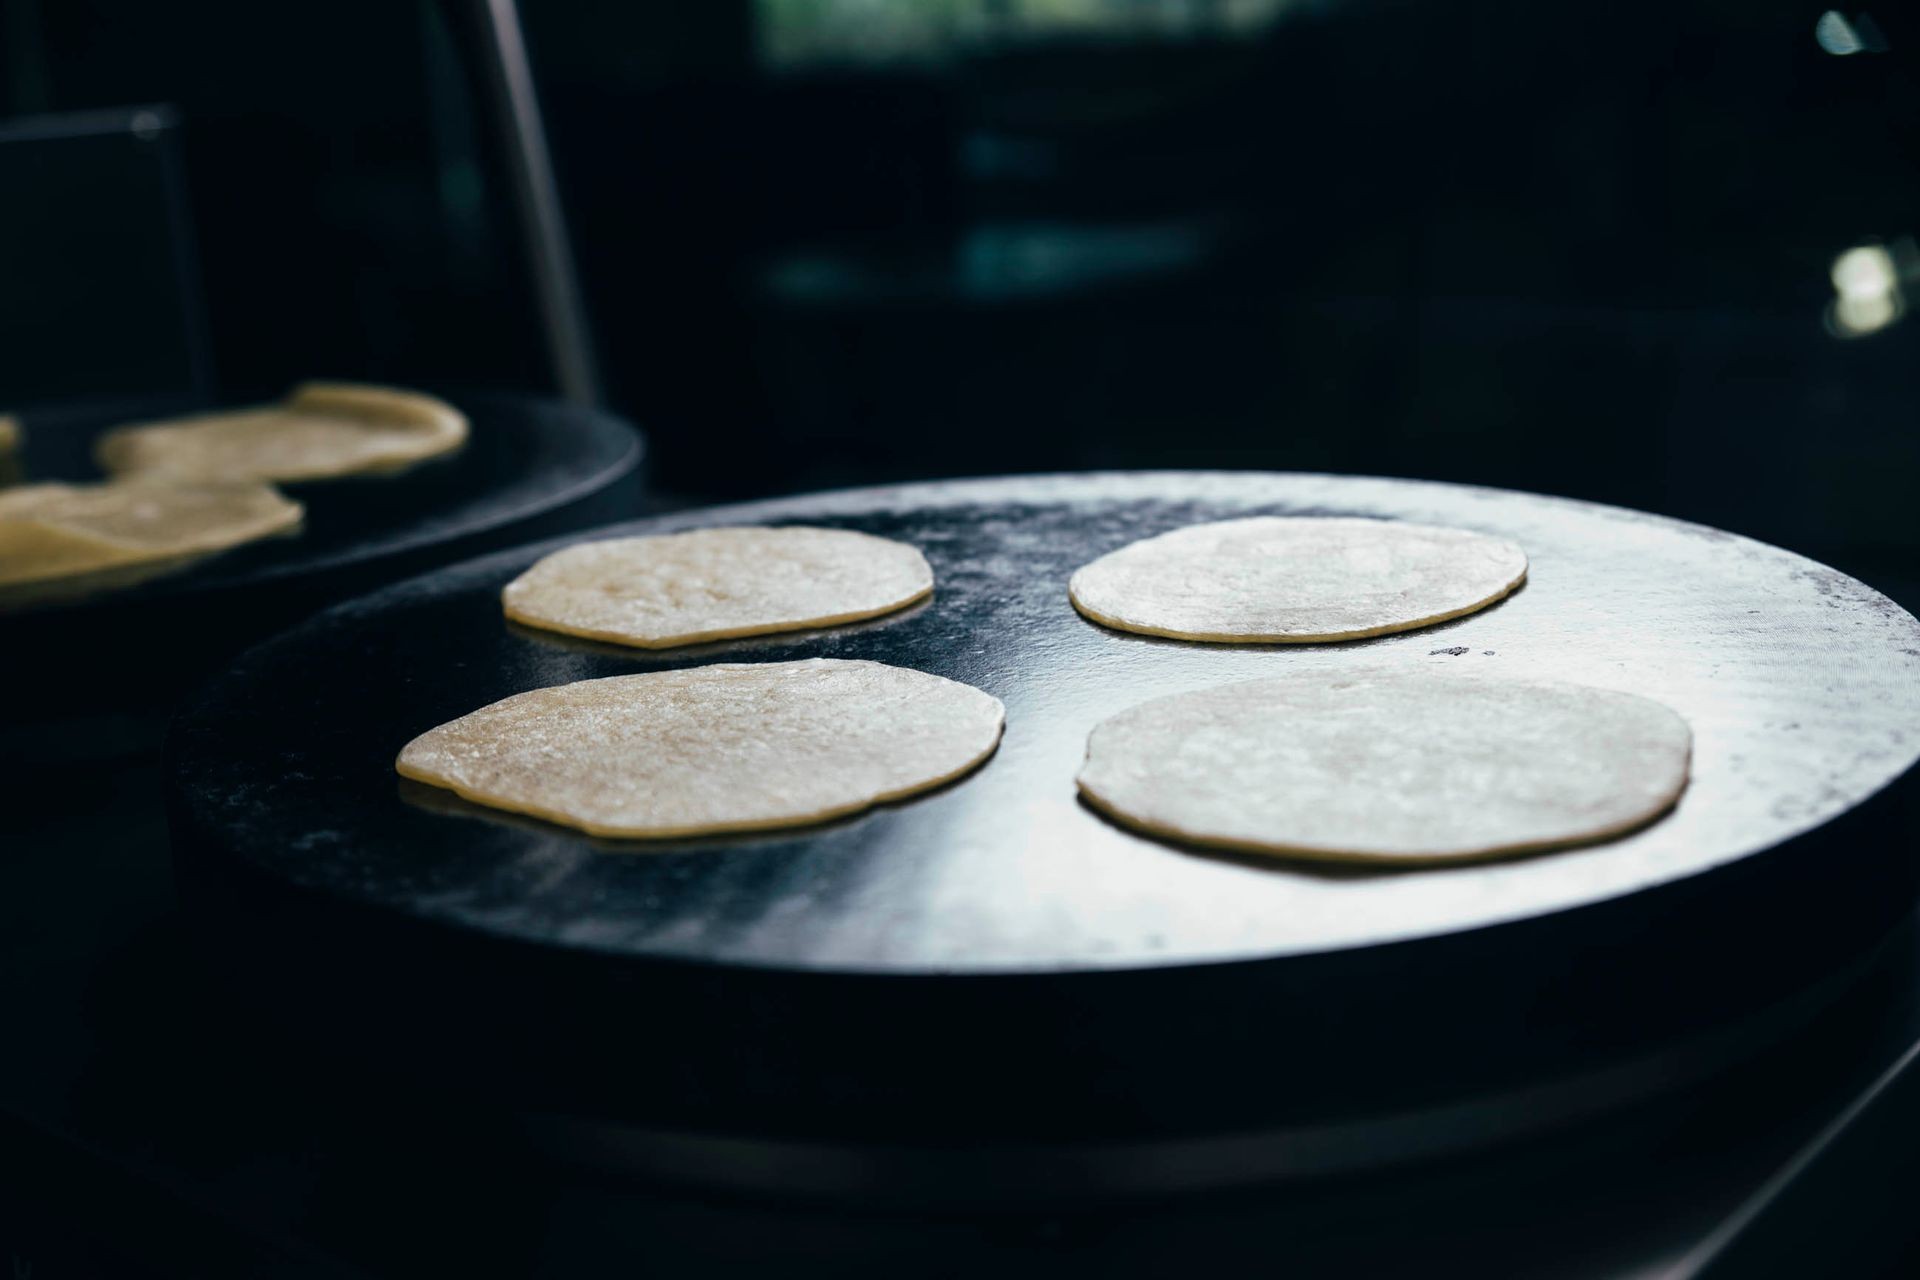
{"x": 1389, "y": 768}
{"x": 711, "y": 584}
{"x": 1296, "y": 580}
{"x": 322, "y": 431}
{"x": 59, "y": 539}
{"x": 730, "y": 747}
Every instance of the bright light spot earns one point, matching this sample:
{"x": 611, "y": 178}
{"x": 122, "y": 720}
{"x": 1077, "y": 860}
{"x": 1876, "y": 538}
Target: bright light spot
{"x": 1867, "y": 281}
{"x": 1865, "y": 272}
{"x": 1840, "y": 37}
{"x": 1835, "y": 34}
{"x": 1857, "y": 317}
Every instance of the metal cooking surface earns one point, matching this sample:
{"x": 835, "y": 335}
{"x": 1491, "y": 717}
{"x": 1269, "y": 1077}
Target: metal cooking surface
{"x": 1802, "y": 686}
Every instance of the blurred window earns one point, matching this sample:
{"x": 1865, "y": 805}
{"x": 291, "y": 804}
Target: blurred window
{"x": 792, "y": 34}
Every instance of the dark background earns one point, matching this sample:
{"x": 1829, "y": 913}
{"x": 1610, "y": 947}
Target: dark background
{"x": 1580, "y": 249}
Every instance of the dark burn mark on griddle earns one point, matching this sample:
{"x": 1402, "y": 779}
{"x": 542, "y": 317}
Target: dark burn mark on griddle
{"x": 1455, "y": 652}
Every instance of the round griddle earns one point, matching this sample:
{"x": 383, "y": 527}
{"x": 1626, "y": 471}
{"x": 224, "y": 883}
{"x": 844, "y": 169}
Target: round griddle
{"x": 993, "y": 965}
{"x": 530, "y": 468}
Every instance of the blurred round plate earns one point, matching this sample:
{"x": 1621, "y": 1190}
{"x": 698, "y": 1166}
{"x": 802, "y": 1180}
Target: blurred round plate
{"x": 530, "y": 468}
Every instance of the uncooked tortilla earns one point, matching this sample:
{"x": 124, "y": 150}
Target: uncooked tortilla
{"x": 712, "y": 584}
{"x": 59, "y": 539}
{"x": 322, "y": 431}
{"x": 1388, "y": 768}
{"x": 1296, "y": 580}
{"x": 730, "y": 747}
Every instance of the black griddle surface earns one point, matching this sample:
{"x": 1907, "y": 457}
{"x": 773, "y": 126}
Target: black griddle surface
{"x": 996, "y": 957}
{"x": 1803, "y": 688}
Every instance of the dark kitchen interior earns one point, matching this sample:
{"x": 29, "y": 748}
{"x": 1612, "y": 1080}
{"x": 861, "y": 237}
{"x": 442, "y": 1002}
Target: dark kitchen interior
{"x": 1645, "y": 255}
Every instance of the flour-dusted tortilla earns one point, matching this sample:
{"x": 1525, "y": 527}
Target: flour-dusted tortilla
{"x": 322, "y": 431}
{"x": 1296, "y": 580}
{"x": 1388, "y": 767}
{"x": 712, "y": 584}
{"x": 60, "y": 539}
{"x": 730, "y": 747}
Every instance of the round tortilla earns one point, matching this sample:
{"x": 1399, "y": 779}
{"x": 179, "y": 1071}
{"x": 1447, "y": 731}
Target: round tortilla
{"x": 1388, "y": 768}
{"x": 713, "y": 584}
{"x": 322, "y": 431}
{"x": 1296, "y": 580}
{"x": 59, "y": 539}
{"x": 730, "y": 747}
